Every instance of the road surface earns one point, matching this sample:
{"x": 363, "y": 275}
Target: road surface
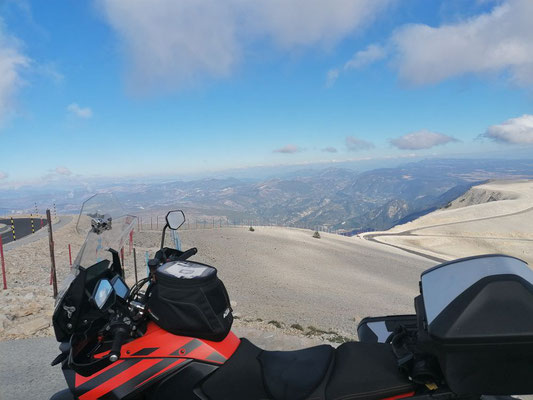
{"x": 22, "y": 228}
{"x": 26, "y": 374}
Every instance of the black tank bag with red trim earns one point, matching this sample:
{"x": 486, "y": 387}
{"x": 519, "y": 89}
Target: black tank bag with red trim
{"x": 189, "y": 299}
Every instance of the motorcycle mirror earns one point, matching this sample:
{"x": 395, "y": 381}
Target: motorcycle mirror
{"x": 103, "y": 295}
{"x": 175, "y": 219}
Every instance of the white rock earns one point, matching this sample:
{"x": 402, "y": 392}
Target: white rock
{"x": 30, "y": 327}
{"x": 28, "y": 296}
{"x": 3, "y": 321}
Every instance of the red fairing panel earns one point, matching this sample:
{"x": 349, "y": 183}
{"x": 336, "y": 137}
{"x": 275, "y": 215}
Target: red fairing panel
{"x": 157, "y": 342}
{"x": 156, "y": 354}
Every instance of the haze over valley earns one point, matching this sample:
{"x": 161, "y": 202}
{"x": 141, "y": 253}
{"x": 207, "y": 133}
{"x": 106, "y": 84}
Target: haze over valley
{"x": 329, "y": 198}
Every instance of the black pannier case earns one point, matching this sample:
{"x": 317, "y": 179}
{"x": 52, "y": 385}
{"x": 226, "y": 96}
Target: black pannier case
{"x": 188, "y": 299}
{"x": 475, "y": 315}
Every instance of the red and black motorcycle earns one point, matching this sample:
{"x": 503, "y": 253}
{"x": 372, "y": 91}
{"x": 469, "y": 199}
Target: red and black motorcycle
{"x": 168, "y": 336}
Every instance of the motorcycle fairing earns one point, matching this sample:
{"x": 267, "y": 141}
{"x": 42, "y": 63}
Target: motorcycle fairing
{"x": 123, "y": 378}
{"x": 147, "y": 360}
{"x": 158, "y": 343}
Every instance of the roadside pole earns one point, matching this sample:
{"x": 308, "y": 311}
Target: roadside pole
{"x": 53, "y": 277}
{"x": 131, "y": 242}
{"x": 69, "y": 255}
{"x": 3, "y": 263}
{"x": 122, "y": 261}
{"x": 135, "y": 264}
{"x": 13, "y": 229}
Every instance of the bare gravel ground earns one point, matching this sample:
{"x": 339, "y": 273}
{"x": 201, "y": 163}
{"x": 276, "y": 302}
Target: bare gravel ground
{"x": 286, "y": 275}
{"x": 276, "y": 277}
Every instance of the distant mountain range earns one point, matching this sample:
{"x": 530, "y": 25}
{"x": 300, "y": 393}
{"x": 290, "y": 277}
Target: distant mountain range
{"x": 331, "y": 198}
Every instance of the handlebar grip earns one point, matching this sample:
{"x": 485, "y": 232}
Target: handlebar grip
{"x": 188, "y": 253}
{"x": 119, "y": 337}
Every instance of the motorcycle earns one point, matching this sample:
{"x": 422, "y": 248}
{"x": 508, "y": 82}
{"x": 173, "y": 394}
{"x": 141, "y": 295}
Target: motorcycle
{"x": 472, "y": 334}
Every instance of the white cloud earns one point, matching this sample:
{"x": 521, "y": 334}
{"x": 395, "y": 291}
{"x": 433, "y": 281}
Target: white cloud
{"x": 365, "y": 57}
{"x": 360, "y": 59}
{"x": 81, "y": 112}
{"x": 3, "y": 175}
{"x": 330, "y": 149}
{"x": 500, "y": 41}
{"x": 515, "y": 130}
{"x": 12, "y": 62}
{"x": 332, "y": 76}
{"x": 63, "y": 171}
{"x": 422, "y": 139}
{"x": 289, "y": 149}
{"x": 293, "y": 23}
{"x": 171, "y": 43}
{"x": 355, "y": 144}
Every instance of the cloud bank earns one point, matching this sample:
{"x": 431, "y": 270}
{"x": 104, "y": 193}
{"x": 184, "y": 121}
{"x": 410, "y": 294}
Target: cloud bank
{"x": 171, "y": 43}
{"x": 81, "y": 112}
{"x": 496, "y": 42}
{"x": 422, "y": 139}
{"x": 514, "y": 131}
{"x": 490, "y": 44}
{"x": 289, "y": 149}
{"x": 63, "y": 171}
{"x": 355, "y": 144}
{"x": 360, "y": 59}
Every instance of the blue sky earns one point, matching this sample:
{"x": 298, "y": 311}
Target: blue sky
{"x": 131, "y": 87}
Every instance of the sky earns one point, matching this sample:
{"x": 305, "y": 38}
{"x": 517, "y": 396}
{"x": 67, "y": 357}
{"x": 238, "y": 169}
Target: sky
{"x": 139, "y": 88}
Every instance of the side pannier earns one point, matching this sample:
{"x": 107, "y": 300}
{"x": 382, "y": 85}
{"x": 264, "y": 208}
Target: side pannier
{"x": 475, "y": 315}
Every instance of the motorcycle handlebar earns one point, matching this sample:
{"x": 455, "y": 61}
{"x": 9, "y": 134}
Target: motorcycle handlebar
{"x": 187, "y": 254}
{"x": 119, "y": 336}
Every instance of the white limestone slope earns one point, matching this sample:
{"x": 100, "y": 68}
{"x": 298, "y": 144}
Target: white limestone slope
{"x": 496, "y": 217}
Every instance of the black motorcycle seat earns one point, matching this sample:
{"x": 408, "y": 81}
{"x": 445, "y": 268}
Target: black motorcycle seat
{"x": 293, "y": 375}
{"x": 354, "y": 371}
{"x": 366, "y": 371}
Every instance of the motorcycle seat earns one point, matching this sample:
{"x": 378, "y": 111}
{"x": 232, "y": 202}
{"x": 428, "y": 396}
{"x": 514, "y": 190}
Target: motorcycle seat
{"x": 293, "y": 375}
{"x": 353, "y": 371}
{"x": 366, "y": 371}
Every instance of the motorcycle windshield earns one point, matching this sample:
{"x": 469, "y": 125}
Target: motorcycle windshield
{"x": 106, "y": 226}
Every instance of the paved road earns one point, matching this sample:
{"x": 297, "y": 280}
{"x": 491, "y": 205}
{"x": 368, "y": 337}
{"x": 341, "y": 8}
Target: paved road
{"x": 61, "y": 221}
{"x": 22, "y": 228}
{"x": 26, "y": 374}
{"x": 25, "y": 371}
